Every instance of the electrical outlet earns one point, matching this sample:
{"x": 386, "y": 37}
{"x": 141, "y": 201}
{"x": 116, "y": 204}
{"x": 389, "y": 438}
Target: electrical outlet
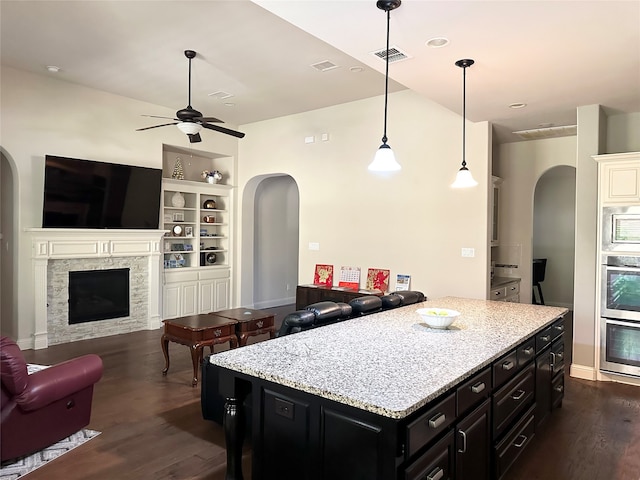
{"x": 314, "y": 246}
{"x": 468, "y": 252}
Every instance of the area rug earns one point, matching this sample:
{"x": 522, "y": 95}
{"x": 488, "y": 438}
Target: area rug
{"x": 22, "y": 466}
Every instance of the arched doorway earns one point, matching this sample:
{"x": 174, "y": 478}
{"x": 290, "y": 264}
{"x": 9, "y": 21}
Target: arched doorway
{"x": 270, "y": 240}
{"x": 554, "y": 233}
{"x": 8, "y": 251}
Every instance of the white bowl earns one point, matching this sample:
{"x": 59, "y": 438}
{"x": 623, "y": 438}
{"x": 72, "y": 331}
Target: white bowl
{"x": 438, "y": 317}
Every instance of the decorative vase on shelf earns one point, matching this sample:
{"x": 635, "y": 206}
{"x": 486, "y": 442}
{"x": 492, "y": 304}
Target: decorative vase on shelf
{"x": 213, "y": 176}
{"x": 177, "y": 200}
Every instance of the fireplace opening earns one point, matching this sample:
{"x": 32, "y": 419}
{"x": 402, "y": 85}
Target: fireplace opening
{"x": 98, "y": 295}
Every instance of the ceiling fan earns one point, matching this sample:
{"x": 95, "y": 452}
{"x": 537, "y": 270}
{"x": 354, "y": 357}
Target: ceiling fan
{"x": 191, "y": 121}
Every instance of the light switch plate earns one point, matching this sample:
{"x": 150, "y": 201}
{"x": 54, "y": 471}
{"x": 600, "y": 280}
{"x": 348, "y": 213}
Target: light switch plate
{"x": 468, "y": 252}
{"x": 314, "y": 246}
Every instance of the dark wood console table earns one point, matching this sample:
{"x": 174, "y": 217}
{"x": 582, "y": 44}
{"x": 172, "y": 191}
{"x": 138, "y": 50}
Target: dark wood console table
{"x": 308, "y": 294}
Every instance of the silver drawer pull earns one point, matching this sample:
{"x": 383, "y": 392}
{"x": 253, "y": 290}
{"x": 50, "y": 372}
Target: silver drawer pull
{"x": 519, "y": 394}
{"x": 559, "y": 389}
{"x": 513, "y": 288}
{"x": 553, "y": 360}
{"x": 560, "y": 355}
{"x": 463, "y": 449}
{"x": 478, "y": 387}
{"x": 545, "y": 338}
{"x": 437, "y": 420}
{"x": 508, "y": 365}
{"x": 217, "y": 332}
{"x": 559, "y": 328}
{"x": 521, "y": 440}
{"x": 528, "y": 351}
{"x": 497, "y": 294}
{"x": 436, "y": 474}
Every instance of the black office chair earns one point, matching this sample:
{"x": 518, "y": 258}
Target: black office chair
{"x": 539, "y": 268}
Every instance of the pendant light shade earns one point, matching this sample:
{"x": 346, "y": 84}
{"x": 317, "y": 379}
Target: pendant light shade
{"x": 385, "y": 160}
{"x": 464, "y": 179}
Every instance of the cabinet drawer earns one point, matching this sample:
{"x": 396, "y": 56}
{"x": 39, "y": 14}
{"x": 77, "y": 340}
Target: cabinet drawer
{"x": 526, "y": 352}
{"x": 557, "y": 328}
{"x": 543, "y": 339}
{"x": 557, "y": 390}
{"x": 512, "y": 399}
{"x": 474, "y": 390}
{"x": 557, "y": 355}
{"x": 512, "y": 289}
{"x": 514, "y": 443}
{"x": 435, "y": 464}
{"x": 428, "y": 425}
{"x": 505, "y": 368}
{"x": 498, "y": 293}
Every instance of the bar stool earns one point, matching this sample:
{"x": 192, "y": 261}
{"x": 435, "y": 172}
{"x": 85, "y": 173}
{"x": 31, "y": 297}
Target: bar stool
{"x": 539, "y": 268}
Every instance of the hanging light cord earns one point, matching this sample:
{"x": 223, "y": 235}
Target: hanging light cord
{"x": 386, "y": 80}
{"x": 464, "y": 112}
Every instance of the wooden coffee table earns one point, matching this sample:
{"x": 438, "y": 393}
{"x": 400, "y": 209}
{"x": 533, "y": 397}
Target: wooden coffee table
{"x": 197, "y": 332}
{"x": 250, "y": 323}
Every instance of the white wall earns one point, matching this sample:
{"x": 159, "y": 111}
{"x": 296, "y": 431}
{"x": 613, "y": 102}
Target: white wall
{"x": 40, "y": 116}
{"x": 410, "y": 222}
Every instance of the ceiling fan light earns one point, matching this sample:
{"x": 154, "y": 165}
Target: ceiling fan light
{"x": 464, "y": 179}
{"x": 384, "y": 160}
{"x": 189, "y": 128}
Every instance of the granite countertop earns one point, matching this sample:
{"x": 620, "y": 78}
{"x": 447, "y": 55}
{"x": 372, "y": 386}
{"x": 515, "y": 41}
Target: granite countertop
{"x": 497, "y": 282}
{"x": 389, "y": 363}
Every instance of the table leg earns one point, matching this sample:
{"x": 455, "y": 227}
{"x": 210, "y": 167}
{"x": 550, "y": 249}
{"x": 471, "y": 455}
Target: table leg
{"x": 164, "y": 341}
{"x": 233, "y": 423}
{"x": 196, "y": 359}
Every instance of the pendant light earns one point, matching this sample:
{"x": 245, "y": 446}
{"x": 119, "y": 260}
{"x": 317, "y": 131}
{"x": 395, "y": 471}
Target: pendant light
{"x": 464, "y": 179}
{"x": 385, "y": 160}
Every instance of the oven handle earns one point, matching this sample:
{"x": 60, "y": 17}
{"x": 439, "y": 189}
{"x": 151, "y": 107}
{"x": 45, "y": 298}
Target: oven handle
{"x": 622, "y": 323}
{"x": 622, "y": 269}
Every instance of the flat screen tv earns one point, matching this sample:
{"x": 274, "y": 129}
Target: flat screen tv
{"x": 88, "y": 194}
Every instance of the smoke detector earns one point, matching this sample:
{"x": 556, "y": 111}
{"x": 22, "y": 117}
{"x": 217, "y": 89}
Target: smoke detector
{"x": 548, "y": 132}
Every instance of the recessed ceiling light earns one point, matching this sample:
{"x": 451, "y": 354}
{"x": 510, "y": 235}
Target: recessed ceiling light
{"x": 356, "y": 69}
{"x": 53, "y": 68}
{"x": 437, "y": 42}
{"x": 229, "y": 104}
{"x": 517, "y": 105}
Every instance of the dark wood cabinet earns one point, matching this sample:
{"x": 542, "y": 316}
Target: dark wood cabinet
{"x": 473, "y": 444}
{"x": 435, "y": 464}
{"x": 308, "y": 294}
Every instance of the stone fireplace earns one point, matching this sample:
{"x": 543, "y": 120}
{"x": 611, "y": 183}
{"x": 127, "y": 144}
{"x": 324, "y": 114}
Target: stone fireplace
{"x": 57, "y": 252}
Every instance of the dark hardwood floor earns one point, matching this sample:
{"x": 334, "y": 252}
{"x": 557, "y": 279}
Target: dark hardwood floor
{"x": 152, "y": 426}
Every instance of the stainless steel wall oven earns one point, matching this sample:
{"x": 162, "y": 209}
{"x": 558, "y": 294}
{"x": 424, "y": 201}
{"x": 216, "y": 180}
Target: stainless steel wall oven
{"x": 620, "y": 312}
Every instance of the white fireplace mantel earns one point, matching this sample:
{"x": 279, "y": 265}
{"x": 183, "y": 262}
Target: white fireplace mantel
{"x": 66, "y": 243}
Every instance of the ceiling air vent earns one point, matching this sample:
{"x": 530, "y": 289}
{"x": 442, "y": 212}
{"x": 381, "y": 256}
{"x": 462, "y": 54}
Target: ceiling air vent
{"x": 395, "y": 54}
{"x": 220, "y": 95}
{"x": 324, "y": 66}
{"x": 547, "y": 132}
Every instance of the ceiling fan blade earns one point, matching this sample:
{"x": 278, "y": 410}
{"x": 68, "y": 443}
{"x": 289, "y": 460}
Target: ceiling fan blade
{"x": 209, "y": 119}
{"x": 194, "y": 138}
{"x": 158, "y": 116}
{"x": 220, "y": 129}
{"x": 155, "y": 126}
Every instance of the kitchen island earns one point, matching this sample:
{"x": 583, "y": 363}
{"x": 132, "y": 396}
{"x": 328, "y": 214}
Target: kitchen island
{"x": 384, "y": 396}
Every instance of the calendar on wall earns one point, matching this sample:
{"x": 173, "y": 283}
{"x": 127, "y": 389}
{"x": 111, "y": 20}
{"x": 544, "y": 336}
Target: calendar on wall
{"x": 350, "y": 277}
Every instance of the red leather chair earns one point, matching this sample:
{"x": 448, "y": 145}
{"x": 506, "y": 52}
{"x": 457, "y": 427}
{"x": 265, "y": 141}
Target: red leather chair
{"x": 41, "y": 409}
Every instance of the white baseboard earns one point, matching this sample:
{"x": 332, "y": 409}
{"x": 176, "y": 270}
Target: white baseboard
{"x": 274, "y": 303}
{"x": 583, "y": 372}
